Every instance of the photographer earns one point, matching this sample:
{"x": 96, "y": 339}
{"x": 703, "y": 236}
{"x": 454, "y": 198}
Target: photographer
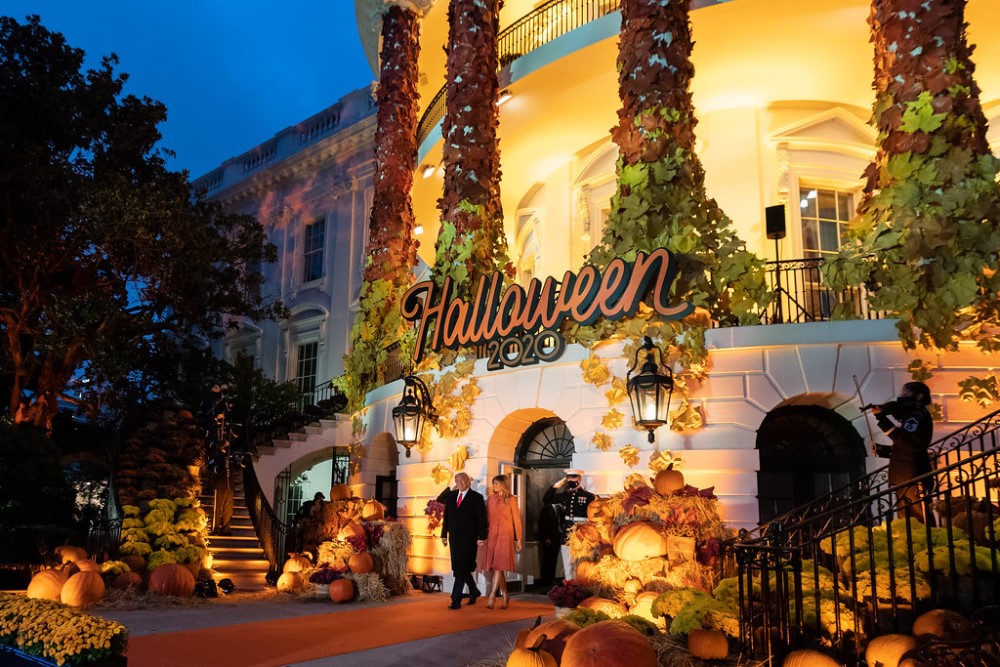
{"x": 573, "y": 499}
{"x": 910, "y": 427}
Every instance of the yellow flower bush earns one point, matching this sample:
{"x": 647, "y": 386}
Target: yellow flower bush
{"x": 58, "y": 633}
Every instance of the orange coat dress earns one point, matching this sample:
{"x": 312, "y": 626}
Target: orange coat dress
{"x": 503, "y": 527}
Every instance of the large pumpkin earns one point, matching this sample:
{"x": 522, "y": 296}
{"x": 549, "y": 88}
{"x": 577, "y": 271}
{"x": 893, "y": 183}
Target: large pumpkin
{"x": 612, "y": 608}
{"x": 944, "y": 624}
{"x": 340, "y": 492}
{"x": 172, "y": 579}
{"x": 805, "y": 657}
{"x": 708, "y": 644}
{"x": 47, "y": 584}
{"x": 608, "y": 644}
{"x": 639, "y": 540}
{"x": 668, "y": 481}
{"x": 886, "y": 650}
{"x": 373, "y": 510}
{"x": 361, "y": 563}
{"x": 135, "y": 562}
{"x": 68, "y": 554}
{"x": 83, "y": 589}
{"x": 290, "y": 581}
{"x": 126, "y": 580}
{"x": 553, "y": 635}
{"x": 531, "y": 657}
{"x": 296, "y": 563}
{"x": 341, "y": 590}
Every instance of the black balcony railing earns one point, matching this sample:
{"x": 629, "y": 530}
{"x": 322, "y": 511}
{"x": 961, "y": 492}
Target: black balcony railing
{"x": 857, "y": 564}
{"x": 800, "y": 295}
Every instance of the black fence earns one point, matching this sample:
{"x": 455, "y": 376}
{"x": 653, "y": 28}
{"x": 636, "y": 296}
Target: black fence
{"x": 800, "y": 295}
{"x": 862, "y": 562}
{"x": 271, "y": 531}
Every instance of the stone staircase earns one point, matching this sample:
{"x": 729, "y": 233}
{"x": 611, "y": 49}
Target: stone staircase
{"x": 237, "y": 556}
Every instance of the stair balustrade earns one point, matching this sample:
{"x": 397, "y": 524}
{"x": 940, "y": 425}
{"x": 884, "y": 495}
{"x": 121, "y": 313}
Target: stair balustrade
{"x": 271, "y": 531}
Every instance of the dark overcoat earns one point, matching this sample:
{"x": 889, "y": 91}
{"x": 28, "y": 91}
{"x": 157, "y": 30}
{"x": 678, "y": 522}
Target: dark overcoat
{"x": 464, "y": 526}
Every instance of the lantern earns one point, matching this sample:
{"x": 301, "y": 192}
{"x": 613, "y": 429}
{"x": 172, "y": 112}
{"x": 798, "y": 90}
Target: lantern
{"x": 414, "y": 410}
{"x": 650, "y": 390}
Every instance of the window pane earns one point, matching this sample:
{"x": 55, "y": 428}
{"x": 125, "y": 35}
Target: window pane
{"x": 305, "y": 375}
{"x": 827, "y": 205}
{"x": 808, "y": 204}
{"x": 829, "y": 238}
{"x": 810, "y": 235}
{"x": 315, "y": 235}
{"x": 845, "y": 207}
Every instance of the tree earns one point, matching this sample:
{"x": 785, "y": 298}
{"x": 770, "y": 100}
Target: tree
{"x": 103, "y": 250}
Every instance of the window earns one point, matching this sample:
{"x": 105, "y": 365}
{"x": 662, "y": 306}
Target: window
{"x": 305, "y": 371}
{"x": 315, "y": 241}
{"x": 825, "y": 215}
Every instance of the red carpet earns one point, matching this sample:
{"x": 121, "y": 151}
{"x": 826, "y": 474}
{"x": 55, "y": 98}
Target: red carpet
{"x": 280, "y": 642}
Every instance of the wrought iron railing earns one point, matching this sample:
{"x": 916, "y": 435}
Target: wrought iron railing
{"x": 545, "y": 23}
{"x": 860, "y": 563}
{"x": 271, "y": 531}
{"x": 801, "y": 295}
{"x": 315, "y": 404}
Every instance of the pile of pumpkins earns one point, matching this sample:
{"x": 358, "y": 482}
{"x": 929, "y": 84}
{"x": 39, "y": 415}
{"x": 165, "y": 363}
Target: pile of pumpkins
{"x": 78, "y": 582}
{"x": 562, "y": 643}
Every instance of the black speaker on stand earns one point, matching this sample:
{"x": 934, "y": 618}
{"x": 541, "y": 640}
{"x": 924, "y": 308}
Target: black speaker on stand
{"x": 774, "y": 224}
{"x": 774, "y": 220}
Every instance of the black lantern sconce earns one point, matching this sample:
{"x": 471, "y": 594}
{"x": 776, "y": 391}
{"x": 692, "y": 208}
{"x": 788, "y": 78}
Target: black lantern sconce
{"x": 413, "y": 412}
{"x": 650, "y": 390}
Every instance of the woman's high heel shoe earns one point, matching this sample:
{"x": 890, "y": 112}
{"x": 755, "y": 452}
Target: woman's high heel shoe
{"x": 505, "y": 603}
{"x": 490, "y": 601}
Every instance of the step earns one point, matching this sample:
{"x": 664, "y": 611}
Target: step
{"x": 298, "y": 437}
{"x": 233, "y": 541}
{"x": 240, "y": 564}
{"x": 241, "y": 555}
{"x": 266, "y": 450}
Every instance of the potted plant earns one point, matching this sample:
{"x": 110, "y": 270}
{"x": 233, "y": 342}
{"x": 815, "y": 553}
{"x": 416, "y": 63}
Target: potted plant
{"x": 322, "y": 578}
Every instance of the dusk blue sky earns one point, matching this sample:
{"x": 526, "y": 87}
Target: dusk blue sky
{"x": 232, "y": 73}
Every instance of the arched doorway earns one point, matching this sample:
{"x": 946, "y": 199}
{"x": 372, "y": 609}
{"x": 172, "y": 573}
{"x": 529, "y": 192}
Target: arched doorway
{"x": 806, "y": 451}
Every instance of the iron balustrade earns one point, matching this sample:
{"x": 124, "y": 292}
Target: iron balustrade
{"x": 800, "y": 295}
{"x": 315, "y": 404}
{"x": 271, "y": 531}
{"x": 849, "y": 568}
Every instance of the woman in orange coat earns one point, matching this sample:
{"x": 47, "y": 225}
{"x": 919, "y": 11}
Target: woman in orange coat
{"x": 503, "y": 539}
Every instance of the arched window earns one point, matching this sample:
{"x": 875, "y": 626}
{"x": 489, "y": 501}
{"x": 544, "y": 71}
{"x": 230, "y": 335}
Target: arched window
{"x": 546, "y": 444}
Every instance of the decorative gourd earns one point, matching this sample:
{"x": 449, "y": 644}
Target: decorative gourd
{"x": 586, "y": 572}
{"x": 608, "y": 644}
{"x": 668, "y": 481}
{"x": 373, "y": 510}
{"x": 341, "y": 590}
{"x": 172, "y": 579}
{"x": 340, "y": 492}
{"x": 639, "y": 540}
{"x": 708, "y": 644}
{"x": 68, "y": 554}
{"x": 612, "y": 608}
{"x": 805, "y": 657}
{"x": 126, "y": 580}
{"x": 83, "y": 589}
{"x": 296, "y": 563}
{"x": 361, "y": 563}
{"x": 886, "y": 650}
{"x": 632, "y": 586}
{"x": 596, "y": 510}
{"x": 644, "y": 607}
{"x": 944, "y": 624}
{"x": 290, "y": 581}
{"x": 47, "y": 584}
{"x": 553, "y": 635}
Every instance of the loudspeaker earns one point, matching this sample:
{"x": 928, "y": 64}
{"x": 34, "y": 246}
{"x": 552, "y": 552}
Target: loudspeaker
{"x": 774, "y": 218}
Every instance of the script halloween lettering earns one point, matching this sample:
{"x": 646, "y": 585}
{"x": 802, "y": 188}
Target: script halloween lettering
{"x": 495, "y": 313}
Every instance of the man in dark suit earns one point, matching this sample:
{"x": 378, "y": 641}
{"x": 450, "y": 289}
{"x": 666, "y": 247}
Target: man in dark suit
{"x": 465, "y": 524}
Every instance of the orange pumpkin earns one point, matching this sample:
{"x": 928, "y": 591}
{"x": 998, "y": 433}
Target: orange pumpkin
{"x": 126, "y": 580}
{"x": 596, "y": 509}
{"x": 944, "y": 624}
{"x": 531, "y": 657}
{"x": 296, "y": 563}
{"x": 612, "y": 608}
{"x": 352, "y": 529}
{"x": 289, "y": 581}
{"x": 86, "y": 565}
{"x": 373, "y": 510}
{"x": 172, "y": 579}
{"x": 83, "y": 589}
{"x": 341, "y": 590}
{"x": 668, "y": 481}
{"x": 805, "y": 657}
{"x": 553, "y": 635}
{"x": 361, "y": 563}
{"x": 68, "y": 554}
{"x": 47, "y": 584}
{"x": 135, "y": 562}
{"x": 586, "y": 572}
{"x": 639, "y": 540}
{"x": 886, "y": 650}
{"x": 340, "y": 492}
{"x": 608, "y": 644}
{"x": 708, "y": 644}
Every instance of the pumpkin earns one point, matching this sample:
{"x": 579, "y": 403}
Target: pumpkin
{"x": 289, "y": 581}
{"x": 596, "y": 510}
{"x": 340, "y": 492}
{"x": 86, "y": 565}
{"x": 296, "y": 563}
{"x": 361, "y": 563}
{"x": 172, "y": 579}
{"x": 639, "y": 540}
{"x": 586, "y": 572}
{"x": 68, "y": 554}
{"x": 805, "y": 657}
{"x": 553, "y": 635}
{"x": 341, "y": 590}
{"x": 978, "y": 528}
{"x": 373, "y": 510}
{"x": 668, "y": 481}
{"x": 83, "y": 589}
{"x": 885, "y": 651}
{"x": 353, "y": 529}
{"x": 708, "y": 644}
{"x": 126, "y": 580}
{"x": 135, "y": 562}
{"x": 612, "y": 608}
{"x": 531, "y": 657}
{"x": 608, "y": 644}
{"x": 643, "y": 607}
{"x": 944, "y": 624}
{"x": 47, "y": 584}
{"x": 632, "y": 586}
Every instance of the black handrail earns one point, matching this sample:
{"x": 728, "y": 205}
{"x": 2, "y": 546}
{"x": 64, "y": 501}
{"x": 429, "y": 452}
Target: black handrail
{"x": 545, "y": 23}
{"x": 271, "y": 531}
{"x": 318, "y": 403}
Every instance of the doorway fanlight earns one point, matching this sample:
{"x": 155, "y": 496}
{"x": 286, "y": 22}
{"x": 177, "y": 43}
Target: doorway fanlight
{"x": 649, "y": 392}
{"x": 413, "y": 412}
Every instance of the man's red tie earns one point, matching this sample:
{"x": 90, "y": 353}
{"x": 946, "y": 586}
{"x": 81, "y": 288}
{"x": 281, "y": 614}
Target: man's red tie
{"x": 458, "y": 503}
